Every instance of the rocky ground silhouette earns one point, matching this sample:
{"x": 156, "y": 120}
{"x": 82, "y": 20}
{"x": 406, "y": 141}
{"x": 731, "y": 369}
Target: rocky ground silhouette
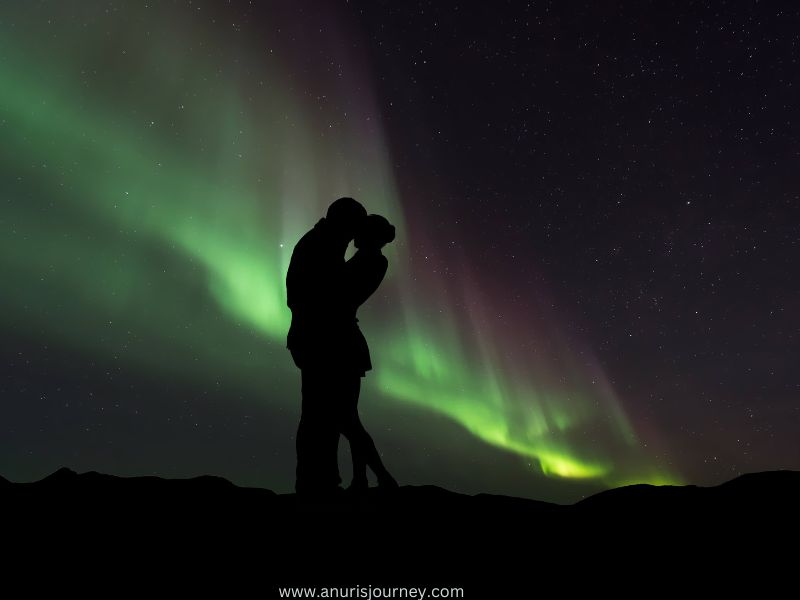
{"x": 216, "y": 533}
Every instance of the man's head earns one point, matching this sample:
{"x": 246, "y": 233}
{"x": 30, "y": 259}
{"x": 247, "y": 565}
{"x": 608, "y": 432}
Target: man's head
{"x": 375, "y": 232}
{"x": 345, "y": 216}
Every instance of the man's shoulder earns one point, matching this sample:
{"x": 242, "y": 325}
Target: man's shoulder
{"x": 312, "y": 240}
{"x": 311, "y": 235}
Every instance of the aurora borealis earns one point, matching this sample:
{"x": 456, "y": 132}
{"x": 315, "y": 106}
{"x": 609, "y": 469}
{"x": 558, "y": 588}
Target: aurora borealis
{"x": 159, "y": 161}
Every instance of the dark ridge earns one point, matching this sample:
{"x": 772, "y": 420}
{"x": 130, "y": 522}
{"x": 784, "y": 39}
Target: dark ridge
{"x": 777, "y": 490}
{"x": 772, "y": 490}
{"x": 206, "y": 533}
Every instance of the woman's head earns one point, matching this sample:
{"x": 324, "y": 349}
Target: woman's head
{"x": 374, "y": 232}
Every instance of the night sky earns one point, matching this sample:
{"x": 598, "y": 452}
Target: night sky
{"x": 593, "y": 284}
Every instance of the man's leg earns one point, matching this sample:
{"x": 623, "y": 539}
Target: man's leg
{"x": 317, "y": 439}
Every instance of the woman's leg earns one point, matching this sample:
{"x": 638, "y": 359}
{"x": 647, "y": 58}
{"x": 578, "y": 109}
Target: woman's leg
{"x": 357, "y": 450}
{"x": 371, "y": 458}
{"x": 362, "y": 448}
{"x": 348, "y": 428}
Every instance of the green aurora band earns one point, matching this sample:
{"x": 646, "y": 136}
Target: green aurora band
{"x": 155, "y": 181}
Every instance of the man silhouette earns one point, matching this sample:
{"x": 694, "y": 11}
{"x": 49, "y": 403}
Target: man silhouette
{"x": 320, "y": 342}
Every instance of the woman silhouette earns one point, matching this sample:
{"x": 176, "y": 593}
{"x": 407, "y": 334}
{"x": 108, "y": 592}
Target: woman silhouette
{"x": 365, "y": 271}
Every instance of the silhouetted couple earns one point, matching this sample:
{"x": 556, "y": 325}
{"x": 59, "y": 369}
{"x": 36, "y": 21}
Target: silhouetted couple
{"x": 324, "y": 293}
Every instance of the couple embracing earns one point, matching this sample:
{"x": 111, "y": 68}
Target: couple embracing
{"x": 324, "y": 293}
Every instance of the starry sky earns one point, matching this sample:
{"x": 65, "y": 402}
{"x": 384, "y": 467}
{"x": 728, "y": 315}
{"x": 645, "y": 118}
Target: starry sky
{"x": 597, "y": 209}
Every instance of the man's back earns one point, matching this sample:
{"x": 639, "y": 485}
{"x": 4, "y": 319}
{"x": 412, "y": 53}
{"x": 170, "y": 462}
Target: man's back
{"x": 319, "y": 318}
{"x": 312, "y": 262}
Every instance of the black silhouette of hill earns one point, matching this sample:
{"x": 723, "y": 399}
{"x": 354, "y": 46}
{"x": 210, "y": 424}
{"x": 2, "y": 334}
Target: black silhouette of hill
{"x": 773, "y": 490}
{"x": 414, "y": 535}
